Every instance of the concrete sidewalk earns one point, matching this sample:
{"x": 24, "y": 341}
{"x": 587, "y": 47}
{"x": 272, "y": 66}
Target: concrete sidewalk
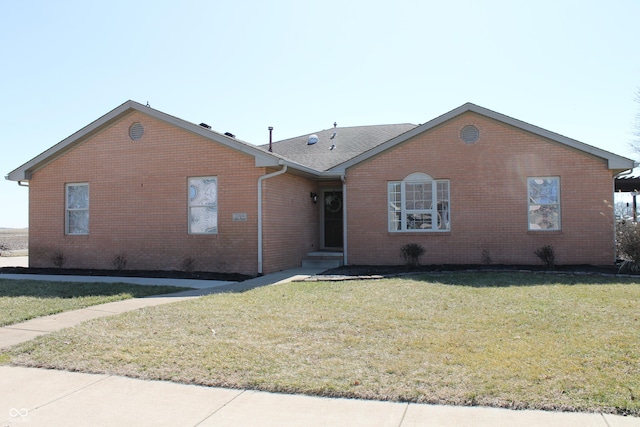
{"x": 40, "y": 397}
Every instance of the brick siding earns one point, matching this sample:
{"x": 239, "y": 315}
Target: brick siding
{"x": 488, "y": 198}
{"x": 138, "y": 201}
{"x": 290, "y": 226}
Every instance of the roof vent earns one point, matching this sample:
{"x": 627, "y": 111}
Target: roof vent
{"x": 204, "y": 125}
{"x": 136, "y": 131}
{"x": 469, "y": 134}
{"x": 229, "y": 134}
{"x": 312, "y": 139}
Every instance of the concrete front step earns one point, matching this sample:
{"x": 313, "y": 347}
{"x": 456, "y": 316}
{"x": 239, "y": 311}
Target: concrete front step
{"x": 323, "y": 259}
{"x": 325, "y": 254}
{"x": 321, "y": 263}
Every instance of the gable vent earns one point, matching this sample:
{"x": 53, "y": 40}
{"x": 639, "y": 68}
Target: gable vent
{"x": 136, "y": 131}
{"x": 469, "y": 134}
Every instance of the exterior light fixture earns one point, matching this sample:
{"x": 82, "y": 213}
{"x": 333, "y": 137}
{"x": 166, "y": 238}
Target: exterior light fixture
{"x": 314, "y": 197}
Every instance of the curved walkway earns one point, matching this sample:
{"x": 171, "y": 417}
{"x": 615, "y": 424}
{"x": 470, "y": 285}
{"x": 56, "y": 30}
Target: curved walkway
{"x": 40, "y": 397}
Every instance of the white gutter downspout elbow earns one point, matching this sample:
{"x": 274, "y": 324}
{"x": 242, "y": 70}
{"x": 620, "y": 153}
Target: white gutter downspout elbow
{"x": 629, "y": 172}
{"x": 262, "y": 178}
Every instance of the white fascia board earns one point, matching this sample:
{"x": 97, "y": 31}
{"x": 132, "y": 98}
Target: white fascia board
{"x": 614, "y": 161}
{"x": 266, "y": 161}
{"x": 307, "y": 170}
{"x": 23, "y": 172}
{"x": 399, "y": 139}
{"x": 263, "y": 158}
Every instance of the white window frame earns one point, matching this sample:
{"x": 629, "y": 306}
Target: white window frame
{"x": 402, "y": 219}
{"x": 546, "y": 209}
{"x": 211, "y": 206}
{"x": 70, "y": 211}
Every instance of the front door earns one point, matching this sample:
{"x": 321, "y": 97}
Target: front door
{"x": 332, "y": 210}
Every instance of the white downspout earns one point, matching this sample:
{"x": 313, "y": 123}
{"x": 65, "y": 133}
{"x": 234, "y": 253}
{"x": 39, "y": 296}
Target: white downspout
{"x": 262, "y": 178}
{"x": 344, "y": 219}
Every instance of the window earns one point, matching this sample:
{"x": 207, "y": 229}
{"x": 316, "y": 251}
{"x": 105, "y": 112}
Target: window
{"x": 419, "y": 203}
{"x": 203, "y": 205}
{"x": 544, "y": 203}
{"x": 77, "y": 209}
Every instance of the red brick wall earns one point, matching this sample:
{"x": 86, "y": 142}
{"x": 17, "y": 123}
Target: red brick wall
{"x": 138, "y": 202}
{"x": 488, "y": 194}
{"x": 290, "y": 226}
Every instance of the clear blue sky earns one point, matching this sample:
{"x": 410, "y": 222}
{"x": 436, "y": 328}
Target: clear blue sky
{"x": 568, "y": 66}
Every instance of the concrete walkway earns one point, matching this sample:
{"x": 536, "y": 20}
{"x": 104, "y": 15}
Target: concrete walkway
{"x": 41, "y": 397}
{"x": 25, "y": 331}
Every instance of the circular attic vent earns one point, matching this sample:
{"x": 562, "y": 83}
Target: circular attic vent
{"x": 136, "y": 131}
{"x": 469, "y": 134}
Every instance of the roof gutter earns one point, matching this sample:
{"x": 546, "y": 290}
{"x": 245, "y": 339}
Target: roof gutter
{"x": 628, "y": 172}
{"x": 260, "y": 179}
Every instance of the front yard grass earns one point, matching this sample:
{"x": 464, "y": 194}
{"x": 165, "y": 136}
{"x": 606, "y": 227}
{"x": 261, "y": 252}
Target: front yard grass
{"x": 516, "y": 340}
{"x": 21, "y": 300}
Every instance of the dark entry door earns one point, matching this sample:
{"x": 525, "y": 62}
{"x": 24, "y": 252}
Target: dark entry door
{"x": 332, "y": 219}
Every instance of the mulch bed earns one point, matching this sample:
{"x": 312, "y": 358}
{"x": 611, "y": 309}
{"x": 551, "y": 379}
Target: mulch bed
{"x": 355, "y": 271}
{"x": 386, "y": 270}
{"x": 156, "y": 274}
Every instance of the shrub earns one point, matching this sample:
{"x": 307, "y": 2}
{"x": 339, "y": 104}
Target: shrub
{"x": 119, "y": 261}
{"x": 3, "y": 248}
{"x": 547, "y": 254}
{"x": 486, "y": 257}
{"x": 188, "y": 264}
{"x": 58, "y": 259}
{"x": 411, "y": 253}
{"x": 628, "y": 245}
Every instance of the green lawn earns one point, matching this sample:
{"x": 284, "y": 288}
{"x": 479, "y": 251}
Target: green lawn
{"x": 512, "y": 340}
{"x": 22, "y": 300}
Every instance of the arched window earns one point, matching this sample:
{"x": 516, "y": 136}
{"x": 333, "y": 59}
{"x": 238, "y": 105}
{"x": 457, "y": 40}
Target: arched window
{"x": 419, "y": 203}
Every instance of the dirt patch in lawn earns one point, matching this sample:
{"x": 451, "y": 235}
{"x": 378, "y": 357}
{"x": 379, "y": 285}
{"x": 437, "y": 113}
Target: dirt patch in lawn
{"x": 14, "y": 241}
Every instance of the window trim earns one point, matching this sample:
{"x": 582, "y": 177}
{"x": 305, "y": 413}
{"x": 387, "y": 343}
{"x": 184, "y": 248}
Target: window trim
{"x": 530, "y": 204}
{"x": 393, "y": 211}
{"x": 190, "y": 206}
{"x": 67, "y": 209}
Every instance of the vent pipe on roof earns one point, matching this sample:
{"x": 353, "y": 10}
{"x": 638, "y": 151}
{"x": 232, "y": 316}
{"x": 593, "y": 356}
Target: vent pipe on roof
{"x": 335, "y": 124}
{"x": 270, "y": 139}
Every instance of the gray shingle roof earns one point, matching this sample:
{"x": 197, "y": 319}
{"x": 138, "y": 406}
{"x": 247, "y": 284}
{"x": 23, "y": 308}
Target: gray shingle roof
{"x": 349, "y": 142}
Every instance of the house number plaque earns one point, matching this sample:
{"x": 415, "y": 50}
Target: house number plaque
{"x": 240, "y": 216}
